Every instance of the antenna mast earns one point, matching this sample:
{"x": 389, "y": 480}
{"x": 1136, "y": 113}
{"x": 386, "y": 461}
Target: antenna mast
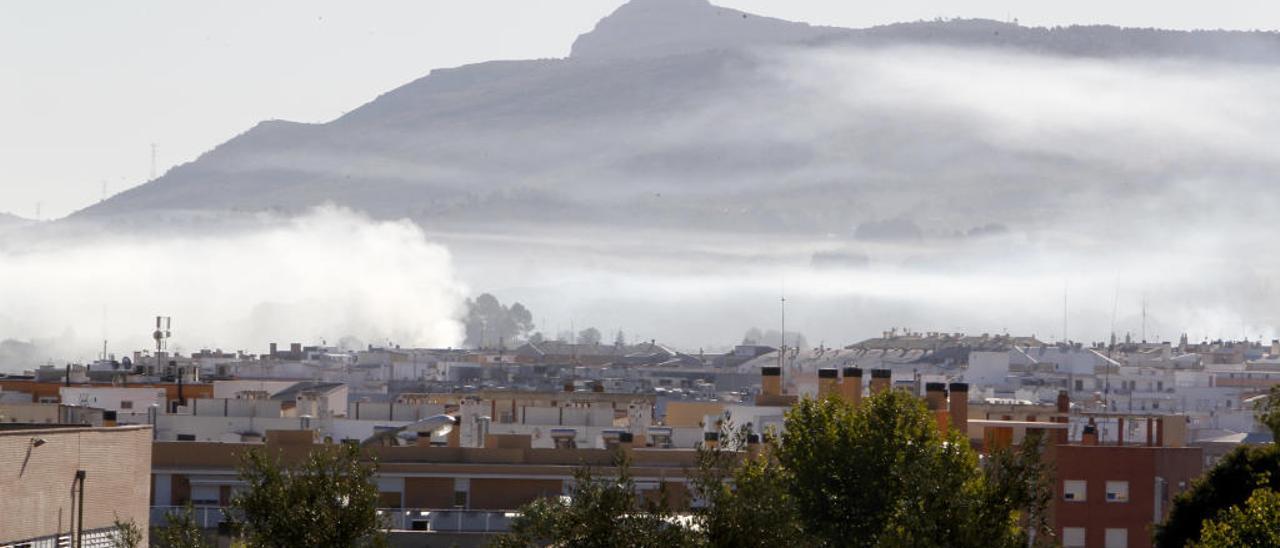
{"x": 1064, "y": 312}
{"x": 1144, "y": 318}
{"x": 782, "y": 350}
{"x": 153, "y": 161}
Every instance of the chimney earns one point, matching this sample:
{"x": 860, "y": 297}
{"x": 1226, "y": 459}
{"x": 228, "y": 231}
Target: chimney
{"x": 454, "y": 437}
{"x": 771, "y": 381}
{"x": 1275, "y": 347}
{"x": 67, "y": 380}
{"x": 295, "y": 348}
{"x": 568, "y": 386}
{"x": 1064, "y": 402}
{"x": 753, "y": 444}
{"x": 881, "y": 379}
{"x": 273, "y": 350}
{"x": 828, "y": 377}
{"x": 959, "y": 407}
{"x": 851, "y": 386}
{"x": 935, "y": 396}
{"x": 597, "y": 386}
{"x": 1090, "y": 434}
{"x": 710, "y": 440}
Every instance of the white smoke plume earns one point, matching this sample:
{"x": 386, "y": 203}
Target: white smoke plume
{"x": 325, "y": 276}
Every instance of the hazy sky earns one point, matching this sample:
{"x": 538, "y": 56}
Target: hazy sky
{"x": 88, "y": 86}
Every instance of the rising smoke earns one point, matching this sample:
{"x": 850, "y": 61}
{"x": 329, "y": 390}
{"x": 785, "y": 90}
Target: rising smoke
{"x": 324, "y": 276}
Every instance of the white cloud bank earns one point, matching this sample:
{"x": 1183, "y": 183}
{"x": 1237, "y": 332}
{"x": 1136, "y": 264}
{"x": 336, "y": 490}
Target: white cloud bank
{"x": 322, "y": 276}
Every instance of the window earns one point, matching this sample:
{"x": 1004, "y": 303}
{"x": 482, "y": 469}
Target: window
{"x": 1117, "y": 491}
{"x": 1079, "y": 385}
{"x": 1072, "y": 537}
{"x": 186, "y": 437}
{"x": 204, "y": 495}
{"x": 1074, "y": 490}
{"x": 126, "y": 404}
{"x": 1117, "y": 538}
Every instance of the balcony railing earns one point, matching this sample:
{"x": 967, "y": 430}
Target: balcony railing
{"x": 451, "y": 520}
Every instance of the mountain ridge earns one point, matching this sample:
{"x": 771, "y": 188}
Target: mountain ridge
{"x": 553, "y": 139}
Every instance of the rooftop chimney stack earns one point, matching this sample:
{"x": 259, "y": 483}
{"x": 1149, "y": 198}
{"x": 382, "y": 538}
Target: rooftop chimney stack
{"x": 881, "y": 380}
{"x": 710, "y": 440}
{"x": 935, "y": 396}
{"x": 828, "y": 379}
{"x": 851, "y": 386}
{"x": 958, "y": 407}
{"x": 771, "y": 381}
{"x": 1090, "y": 434}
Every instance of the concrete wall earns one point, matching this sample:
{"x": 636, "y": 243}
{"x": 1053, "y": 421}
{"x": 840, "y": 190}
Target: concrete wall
{"x": 229, "y": 389}
{"x": 37, "y": 482}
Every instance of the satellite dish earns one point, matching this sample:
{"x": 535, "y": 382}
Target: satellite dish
{"x": 437, "y": 425}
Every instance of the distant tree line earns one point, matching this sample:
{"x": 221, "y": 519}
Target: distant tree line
{"x": 490, "y": 324}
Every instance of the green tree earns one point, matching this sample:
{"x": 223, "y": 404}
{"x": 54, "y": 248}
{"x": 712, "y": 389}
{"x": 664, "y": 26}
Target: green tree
{"x": 328, "y": 499}
{"x": 127, "y": 533}
{"x": 489, "y": 322}
{"x": 600, "y": 512}
{"x": 181, "y": 531}
{"x": 883, "y": 475}
{"x": 1267, "y": 411}
{"x": 1227, "y": 484}
{"x": 1255, "y": 523}
{"x": 746, "y": 499}
{"x": 589, "y": 336}
{"x": 1018, "y": 485}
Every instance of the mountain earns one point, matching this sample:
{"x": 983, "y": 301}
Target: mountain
{"x": 680, "y": 113}
{"x": 8, "y": 220}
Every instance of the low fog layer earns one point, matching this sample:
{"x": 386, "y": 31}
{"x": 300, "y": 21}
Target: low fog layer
{"x": 326, "y": 275}
{"x": 952, "y": 176}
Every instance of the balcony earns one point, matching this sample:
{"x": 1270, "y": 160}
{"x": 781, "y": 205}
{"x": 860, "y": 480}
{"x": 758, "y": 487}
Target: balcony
{"x": 412, "y": 519}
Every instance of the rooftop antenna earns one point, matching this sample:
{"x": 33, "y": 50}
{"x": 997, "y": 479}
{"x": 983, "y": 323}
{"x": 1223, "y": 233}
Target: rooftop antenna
{"x": 161, "y": 335}
{"x": 782, "y": 350}
{"x": 1064, "y": 311}
{"x": 1144, "y": 317}
{"x": 153, "y": 161}
{"x": 1115, "y": 305}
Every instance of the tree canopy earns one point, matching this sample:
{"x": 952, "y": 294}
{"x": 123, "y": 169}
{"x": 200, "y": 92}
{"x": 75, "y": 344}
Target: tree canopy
{"x": 600, "y": 512}
{"x": 489, "y": 323}
{"x": 328, "y": 499}
{"x": 589, "y": 336}
{"x": 1229, "y": 484}
{"x": 1255, "y": 523}
{"x": 884, "y": 475}
{"x": 881, "y": 474}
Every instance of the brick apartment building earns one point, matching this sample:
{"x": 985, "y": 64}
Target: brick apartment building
{"x": 1110, "y": 496}
{"x": 58, "y": 483}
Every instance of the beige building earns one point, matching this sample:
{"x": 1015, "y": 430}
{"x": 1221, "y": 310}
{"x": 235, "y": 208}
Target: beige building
{"x": 60, "y": 482}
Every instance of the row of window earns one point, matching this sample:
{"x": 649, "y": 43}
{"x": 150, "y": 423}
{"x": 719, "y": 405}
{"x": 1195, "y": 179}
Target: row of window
{"x": 1078, "y": 491}
{"x": 1073, "y": 537}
